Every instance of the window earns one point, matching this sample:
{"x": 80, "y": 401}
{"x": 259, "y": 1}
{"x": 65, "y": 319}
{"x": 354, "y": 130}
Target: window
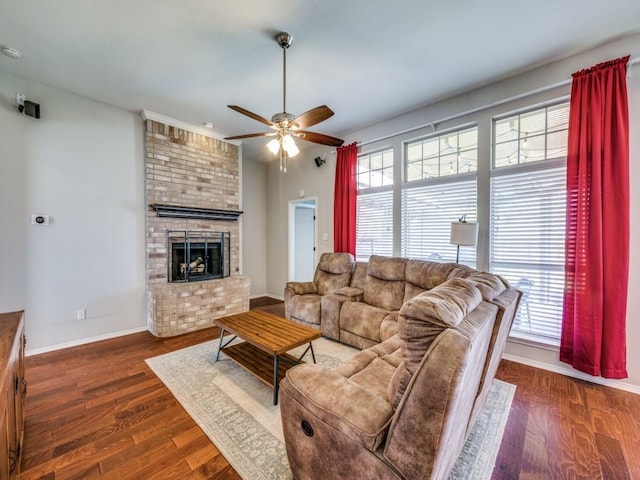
{"x": 375, "y": 169}
{"x": 374, "y": 218}
{"x": 527, "y": 214}
{"x": 532, "y": 136}
{"x": 448, "y": 154}
{"x": 440, "y": 188}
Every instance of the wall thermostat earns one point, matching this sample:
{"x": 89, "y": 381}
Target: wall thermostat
{"x": 40, "y": 219}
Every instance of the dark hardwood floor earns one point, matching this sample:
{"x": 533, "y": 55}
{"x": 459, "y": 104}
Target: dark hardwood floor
{"x": 98, "y": 411}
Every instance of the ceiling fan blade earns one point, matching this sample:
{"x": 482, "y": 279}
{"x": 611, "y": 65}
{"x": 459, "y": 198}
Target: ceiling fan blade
{"x": 250, "y": 135}
{"x": 313, "y": 116}
{"x": 255, "y": 116}
{"x": 319, "y": 138}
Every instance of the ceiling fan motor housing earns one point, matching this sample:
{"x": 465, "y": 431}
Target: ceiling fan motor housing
{"x": 283, "y": 119}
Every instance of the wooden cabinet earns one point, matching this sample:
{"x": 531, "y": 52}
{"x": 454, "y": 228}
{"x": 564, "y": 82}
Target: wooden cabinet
{"x": 13, "y": 389}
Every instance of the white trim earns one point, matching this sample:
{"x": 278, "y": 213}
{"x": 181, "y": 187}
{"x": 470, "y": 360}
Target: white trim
{"x": 260, "y": 295}
{"x": 534, "y": 341}
{"x": 84, "y": 341}
{"x": 302, "y": 202}
{"x": 207, "y": 132}
{"x": 240, "y": 222}
{"x": 570, "y": 372}
{"x": 277, "y": 297}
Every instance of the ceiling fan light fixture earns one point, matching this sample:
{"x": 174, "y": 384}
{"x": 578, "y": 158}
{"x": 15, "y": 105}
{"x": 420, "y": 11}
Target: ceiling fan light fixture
{"x": 274, "y": 146}
{"x": 289, "y": 145}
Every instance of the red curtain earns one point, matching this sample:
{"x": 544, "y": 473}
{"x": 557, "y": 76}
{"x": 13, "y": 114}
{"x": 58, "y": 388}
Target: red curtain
{"x": 597, "y": 231}
{"x": 344, "y": 201}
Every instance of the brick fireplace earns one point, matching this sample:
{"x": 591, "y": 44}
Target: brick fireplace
{"x": 196, "y": 178}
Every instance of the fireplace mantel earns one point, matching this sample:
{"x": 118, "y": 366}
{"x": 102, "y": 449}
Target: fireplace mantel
{"x": 176, "y": 211}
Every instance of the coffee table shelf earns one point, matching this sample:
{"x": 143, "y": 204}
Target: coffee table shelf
{"x": 258, "y": 362}
{"x": 267, "y": 338}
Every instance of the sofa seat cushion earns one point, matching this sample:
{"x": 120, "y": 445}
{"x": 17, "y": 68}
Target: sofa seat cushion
{"x": 362, "y": 319}
{"x": 374, "y": 367}
{"x": 359, "y": 413}
{"x": 306, "y": 308}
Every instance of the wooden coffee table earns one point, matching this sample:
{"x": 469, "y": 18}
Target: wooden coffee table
{"x": 267, "y": 338}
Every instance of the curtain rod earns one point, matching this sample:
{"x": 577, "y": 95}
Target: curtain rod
{"x": 497, "y": 103}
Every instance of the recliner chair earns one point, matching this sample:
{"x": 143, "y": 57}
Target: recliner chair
{"x": 303, "y": 299}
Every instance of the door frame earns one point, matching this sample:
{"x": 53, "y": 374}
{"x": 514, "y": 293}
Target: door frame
{"x": 291, "y": 236}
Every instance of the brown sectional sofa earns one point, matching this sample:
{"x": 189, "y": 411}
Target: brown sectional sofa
{"x": 433, "y": 336}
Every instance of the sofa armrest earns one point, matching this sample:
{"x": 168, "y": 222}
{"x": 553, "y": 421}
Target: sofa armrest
{"x": 333, "y": 399}
{"x": 354, "y": 294}
{"x": 301, "y": 288}
{"x": 293, "y": 289}
{"x": 330, "y": 306}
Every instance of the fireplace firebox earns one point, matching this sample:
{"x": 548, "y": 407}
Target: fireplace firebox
{"x": 197, "y": 256}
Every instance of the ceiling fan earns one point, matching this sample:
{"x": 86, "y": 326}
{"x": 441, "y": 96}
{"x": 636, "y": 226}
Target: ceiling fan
{"x": 287, "y": 126}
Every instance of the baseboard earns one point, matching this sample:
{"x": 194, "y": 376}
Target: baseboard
{"x": 83, "y": 341}
{"x": 570, "y": 372}
{"x": 270, "y": 295}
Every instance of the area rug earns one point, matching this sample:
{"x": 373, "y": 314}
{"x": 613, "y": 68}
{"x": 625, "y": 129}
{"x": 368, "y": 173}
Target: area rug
{"x": 236, "y": 411}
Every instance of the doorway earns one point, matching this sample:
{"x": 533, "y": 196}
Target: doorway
{"x": 302, "y": 240}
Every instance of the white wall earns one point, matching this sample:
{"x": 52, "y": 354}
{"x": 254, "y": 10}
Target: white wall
{"x": 82, "y": 164}
{"x": 319, "y": 182}
{"x": 254, "y": 225}
{"x": 302, "y": 174}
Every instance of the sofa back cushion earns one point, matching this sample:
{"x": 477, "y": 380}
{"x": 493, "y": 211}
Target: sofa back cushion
{"x": 489, "y": 284}
{"x": 333, "y": 272}
{"x": 423, "y": 318}
{"x": 384, "y": 285}
{"x": 421, "y": 275}
{"x": 359, "y": 275}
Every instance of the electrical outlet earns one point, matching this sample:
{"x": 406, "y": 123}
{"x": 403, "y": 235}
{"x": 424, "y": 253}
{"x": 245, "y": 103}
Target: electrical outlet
{"x": 20, "y": 98}
{"x": 81, "y": 314}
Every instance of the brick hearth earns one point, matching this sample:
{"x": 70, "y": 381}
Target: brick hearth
{"x": 188, "y": 169}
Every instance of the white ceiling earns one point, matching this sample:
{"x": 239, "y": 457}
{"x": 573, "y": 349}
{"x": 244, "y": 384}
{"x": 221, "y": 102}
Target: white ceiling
{"x": 368, "y": 60}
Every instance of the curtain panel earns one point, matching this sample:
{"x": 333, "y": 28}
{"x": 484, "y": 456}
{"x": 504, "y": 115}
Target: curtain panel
{"x": 344, "y": 201}
{"x": 597, "y": 229}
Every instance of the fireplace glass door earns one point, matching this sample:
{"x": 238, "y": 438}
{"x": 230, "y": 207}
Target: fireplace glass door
{"x": 196, "y": 256}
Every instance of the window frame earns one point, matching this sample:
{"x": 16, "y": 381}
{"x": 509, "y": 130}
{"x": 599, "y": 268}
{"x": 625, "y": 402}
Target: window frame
{"x": 375, "y": 190}
{"x": 501, "y": 171}
{"x": 447, "y": 254}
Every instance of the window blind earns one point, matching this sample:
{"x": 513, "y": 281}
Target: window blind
{"x": 527, "y": 232}
{"x": 374, "y": 225}
{"x": 427, "y": 213}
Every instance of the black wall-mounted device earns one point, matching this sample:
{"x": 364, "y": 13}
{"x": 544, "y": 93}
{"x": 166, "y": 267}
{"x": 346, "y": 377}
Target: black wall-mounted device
{"x": 32, "y": 109}
{"x": 319, "y": 161}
